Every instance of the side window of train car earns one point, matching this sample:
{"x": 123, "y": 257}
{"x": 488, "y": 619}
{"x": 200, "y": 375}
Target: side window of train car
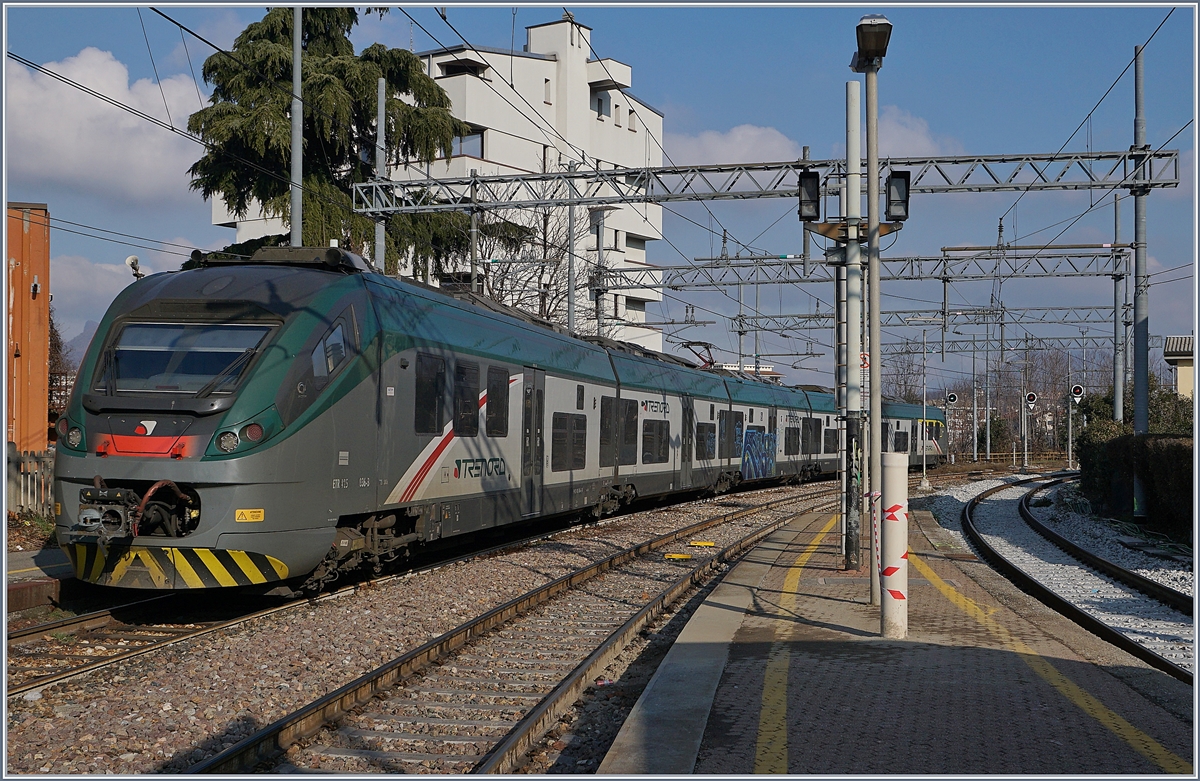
{"x": 656, "y": 441}
{"x": 886, "y": 437}
{"x": 791, "y": 441}
{"x": 608, "y": 449}
{"x": 334, "y": 349}
{"x": 831, "y": 440}
{"x": 466, "y": 399}
{"x": 568, "y": 442}
{"x": 496, "y": 419}
{"x": 431, "y": 383}
{"x": 901, "y": 441}
{"x": 629, "y": 432}
{"x": 706, "y": 441}
{"x": 810, "y": 436}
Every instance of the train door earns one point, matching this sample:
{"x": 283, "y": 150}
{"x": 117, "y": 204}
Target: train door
{"x": 773, "y": 441}
{"x": 532, "y": 448}
{"x": 685, "y": 442}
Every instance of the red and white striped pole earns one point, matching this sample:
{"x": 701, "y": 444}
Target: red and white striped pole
{"x": 893, "y": 532}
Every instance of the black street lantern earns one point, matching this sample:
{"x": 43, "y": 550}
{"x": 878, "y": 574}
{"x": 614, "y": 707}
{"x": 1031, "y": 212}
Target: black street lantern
{"x": 897, "y": 195}
{"x": 810, "y": 196}
{"x": 873, "y": 32}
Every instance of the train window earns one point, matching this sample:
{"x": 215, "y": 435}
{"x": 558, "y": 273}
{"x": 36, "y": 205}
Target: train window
{"x": 913, "y": 441}
{"x": 886, "y": 437}
{"x": 568, "y": 442}
{"x": 178, "y": 358}
{"x": 466, "y": 399}
{"x": 729, "y": 434}
{"x": 752, "y": 414}
{"x": 901, "y": 441}
{"x": 656, "y": 441}
{"x": 706, "y": 441}
{"x": 496, "y": 419}
{"x": 431, "y": 382}
{"x": 608, "y": 450}
{"x": 831, "y": 440}
{"x": 791, "y": 441}
{"x": 629, "y": 432}
{"x": 711, "y": 411}
{"x": 578, "y": 397}
{"x": 810, "y": 436}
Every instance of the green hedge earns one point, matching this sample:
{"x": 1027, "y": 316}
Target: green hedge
{"x": 1107, "y": 460}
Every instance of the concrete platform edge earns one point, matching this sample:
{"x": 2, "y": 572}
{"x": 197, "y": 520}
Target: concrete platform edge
{"x": 663, "y": 732}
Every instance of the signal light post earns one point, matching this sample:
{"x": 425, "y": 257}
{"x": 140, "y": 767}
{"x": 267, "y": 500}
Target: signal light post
{"x": 1030, "y": 400}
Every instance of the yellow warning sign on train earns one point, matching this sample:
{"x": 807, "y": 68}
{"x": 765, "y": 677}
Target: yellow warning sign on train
{"x": 249, "y": 516}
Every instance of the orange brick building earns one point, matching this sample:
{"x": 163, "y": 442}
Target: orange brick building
{"x": 28, "y": 325}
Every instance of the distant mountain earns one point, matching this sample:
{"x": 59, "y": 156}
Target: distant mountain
{"x": 75, "y": 348}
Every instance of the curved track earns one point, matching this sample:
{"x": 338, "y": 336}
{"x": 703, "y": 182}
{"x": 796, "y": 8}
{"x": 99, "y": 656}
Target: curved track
{"x": 484, "y": 692}
{"x": 1120, "y": 614}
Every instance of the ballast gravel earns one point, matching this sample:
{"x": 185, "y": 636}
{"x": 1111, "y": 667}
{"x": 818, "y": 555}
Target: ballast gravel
{"x": 163, "y": 712}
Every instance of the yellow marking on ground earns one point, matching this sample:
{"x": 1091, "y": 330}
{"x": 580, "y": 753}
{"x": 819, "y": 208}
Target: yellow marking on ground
{"x": 1137, "y": 740}
{"x": 215, "y": 567}
{"x": 247, "y": 566}
{"x": 185, "y": 570}
{"x": 677, "y": 556}
{"x": 46, "y": 568}
{"x": 771, "y": 753}
{"x": 702, "y": 544}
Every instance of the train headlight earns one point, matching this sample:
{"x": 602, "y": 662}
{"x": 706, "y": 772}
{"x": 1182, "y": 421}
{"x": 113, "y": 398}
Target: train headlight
{"x": 253, "y": 433}
{"x": 74, "y": 437}
{"x": 228, "y": 441}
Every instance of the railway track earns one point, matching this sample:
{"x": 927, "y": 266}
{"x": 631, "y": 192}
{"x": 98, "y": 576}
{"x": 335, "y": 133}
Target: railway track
{"x": 1117, "y": 605}
{"x": 478, "y": 697}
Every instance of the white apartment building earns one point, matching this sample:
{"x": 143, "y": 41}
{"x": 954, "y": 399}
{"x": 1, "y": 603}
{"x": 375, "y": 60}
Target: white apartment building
{"x": 535, "y": 111}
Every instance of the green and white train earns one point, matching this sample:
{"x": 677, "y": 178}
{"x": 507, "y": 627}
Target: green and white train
{"x": 277, "y": 422}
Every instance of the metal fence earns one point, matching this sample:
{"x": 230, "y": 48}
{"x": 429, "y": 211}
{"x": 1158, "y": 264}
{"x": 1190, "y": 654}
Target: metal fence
{"x": 31, "y": 482}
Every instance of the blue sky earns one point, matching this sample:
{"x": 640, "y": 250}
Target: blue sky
{"x": 734, "y": 84}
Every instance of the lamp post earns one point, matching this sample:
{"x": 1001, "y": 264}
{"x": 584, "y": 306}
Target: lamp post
{"x": 873, "y": 33}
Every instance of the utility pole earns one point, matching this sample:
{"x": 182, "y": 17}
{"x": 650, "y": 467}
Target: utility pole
{"x": 853, "y": 327}
{"x": 571, "y": 257}
{"x": 297, "y": 213}
{"x": 974, "y": 407}
{"x": 1118, "y": 315}
{"x": 987, "y": 395}
{"x": 380, "y": 166}
{"x": 1141, "y": 293}
{"x": 1070, "y": 403}
{"x": 474, "y": 235}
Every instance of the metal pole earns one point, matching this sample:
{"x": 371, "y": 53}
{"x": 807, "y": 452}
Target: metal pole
{"x": 600, "y": 270}
{"x": 757, "y": 311}
{"x": 380, "y": 165}
{"x": 297, "y": 213}
{"x": 853, "y": 325}
{"x": 849, "y": 541}
{"x": 893, "y": 614}
{"x": 1118, "y": 314}
{"x": 974, "y": 407}
{"x": 474, "y": 236}
{"x": 807, "y": 240}
{"x": 1141, "y": 294}
{"x": 987, "y": 395}
{"x": 571, "y": 256}
{"x": 1070, "y": 403}
{"x": 875, "y": 340}
{"x": 924, "y": 412}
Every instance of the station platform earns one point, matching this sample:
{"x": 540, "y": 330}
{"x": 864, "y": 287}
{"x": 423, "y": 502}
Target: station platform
{"x": 782, "y": 669}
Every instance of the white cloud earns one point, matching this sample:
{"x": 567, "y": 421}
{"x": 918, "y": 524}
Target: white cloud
{"x": 83, "y": 289}
{"x": 742, "y": 144}
{"x": 58, "y": 135}
{"x": 903, "y": 135}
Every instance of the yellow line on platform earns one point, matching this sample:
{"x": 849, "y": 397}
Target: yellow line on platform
{"x": 771, "y": 754}
{"x": 36, "y": 569}
{"x": 1137, "y": 740}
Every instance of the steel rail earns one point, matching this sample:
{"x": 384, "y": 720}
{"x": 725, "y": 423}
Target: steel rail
{"x": 89, "y": 620}
{"x": 271, "y": 741}
{"x": 1164, "y": 594}
{"x": 506, "y": 755}
{"x": 1043, "y": 594}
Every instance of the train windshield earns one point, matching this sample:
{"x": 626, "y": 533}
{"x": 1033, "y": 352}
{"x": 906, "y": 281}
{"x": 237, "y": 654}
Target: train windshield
{"x": 196, "y": 359}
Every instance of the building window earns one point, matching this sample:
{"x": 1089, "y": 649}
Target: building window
{"x": 601, "y": 104}
{"x": 656, "y": 441}
{"x": 546, "y": 96}
{"x": 633, "y": 121}
{"x": 617, "y": 115}
{"x": 497, "y": 402}
{"x": 457, "y": 68}
{"x": 469, "y": 145}
{"x": 568, "y": 442}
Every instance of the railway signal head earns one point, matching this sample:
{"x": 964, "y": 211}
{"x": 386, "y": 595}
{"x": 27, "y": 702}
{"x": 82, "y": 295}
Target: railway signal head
{"x": 1031, "y": 399}
{"x": 810, "y": 196}
{"x": 898, "y": 183}
{"x": 1076, "y": 393}
{"x": 951, "y": 398}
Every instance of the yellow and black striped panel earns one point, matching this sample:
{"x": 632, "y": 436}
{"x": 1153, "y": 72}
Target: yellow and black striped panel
{"x": 172, "y": 568}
